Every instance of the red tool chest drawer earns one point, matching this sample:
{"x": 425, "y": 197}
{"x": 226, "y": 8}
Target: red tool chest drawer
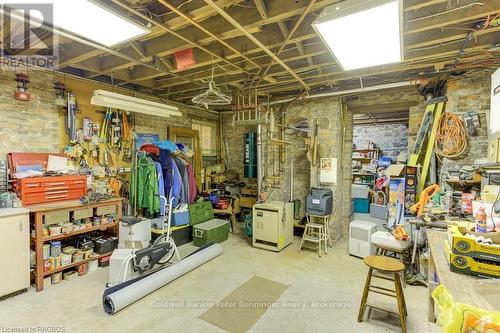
{"x": 49, "y": 189}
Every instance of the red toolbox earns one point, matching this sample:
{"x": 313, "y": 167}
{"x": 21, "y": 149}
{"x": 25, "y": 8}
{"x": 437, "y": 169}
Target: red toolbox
{"x": 39, "y": 190}
{"x": 49, "y": 189}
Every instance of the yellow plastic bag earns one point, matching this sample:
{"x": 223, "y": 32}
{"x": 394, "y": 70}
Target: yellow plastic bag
{"x": 457, "y": 317}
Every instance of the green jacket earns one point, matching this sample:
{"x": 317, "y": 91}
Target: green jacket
{"x": 147, "y": 186}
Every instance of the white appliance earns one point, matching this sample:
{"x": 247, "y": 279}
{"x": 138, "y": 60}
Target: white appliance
{"x": 272, "y": 225}
{"x": 386, "y": 239}
{"x": 15, "y": 247}
{"x": 360, "y": 243}
{"x": 138, "y": 236}
{"x": 494, "y": 121}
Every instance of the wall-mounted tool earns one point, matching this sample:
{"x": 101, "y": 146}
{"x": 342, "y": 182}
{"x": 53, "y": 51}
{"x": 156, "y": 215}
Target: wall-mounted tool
{"x": 21, "y": 93}
{"x": 60, "y": 89}
{"x": 471, "y": 122}
{"x": 71, "y": 117}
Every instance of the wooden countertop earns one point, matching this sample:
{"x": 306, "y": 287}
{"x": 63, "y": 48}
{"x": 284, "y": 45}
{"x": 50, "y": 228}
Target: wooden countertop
{"x": 69, "y": 204}
{"x": 481, "y": 293}
{"x": 12, "y": 211}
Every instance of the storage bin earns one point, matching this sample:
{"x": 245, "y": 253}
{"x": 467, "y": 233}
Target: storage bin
{"x": 360, "y": 191}
{"x": 183, "y": 235}
{"x": 216, "y": 230}
{"x": 180, "y": 218}
{"x": 200, "y": 212}
{"x": 361, "y": 205}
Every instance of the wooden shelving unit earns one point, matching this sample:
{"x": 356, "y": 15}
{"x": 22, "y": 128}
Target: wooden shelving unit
{"x": 101, "y": 227}
{"x": 37, "y": 216}
{"x": 365, "y": 160}
{"x": 74, "y": 264}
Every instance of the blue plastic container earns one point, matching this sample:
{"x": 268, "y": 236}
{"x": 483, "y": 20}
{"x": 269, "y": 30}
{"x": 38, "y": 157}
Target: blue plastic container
{"x": 361, "y": 205}
{"x": 180, "y": 218}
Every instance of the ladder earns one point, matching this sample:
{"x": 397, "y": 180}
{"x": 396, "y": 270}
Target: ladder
{"x": 433, "y": 112}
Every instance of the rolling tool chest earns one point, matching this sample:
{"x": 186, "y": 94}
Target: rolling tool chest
{"x": 38, "y": 190}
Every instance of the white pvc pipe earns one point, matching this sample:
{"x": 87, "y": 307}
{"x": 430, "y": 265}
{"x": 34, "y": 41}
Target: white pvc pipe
{"x": 119, "y": 299}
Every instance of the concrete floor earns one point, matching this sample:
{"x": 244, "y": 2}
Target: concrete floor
{"x": 336, "y": 279}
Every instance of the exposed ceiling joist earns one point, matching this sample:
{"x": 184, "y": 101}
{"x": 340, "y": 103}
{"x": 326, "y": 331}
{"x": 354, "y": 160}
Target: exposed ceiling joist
{"x": 261, "y": 8}
{"x": 256, "y": 41}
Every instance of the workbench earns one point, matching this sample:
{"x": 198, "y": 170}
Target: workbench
{"x": 467, "y": 289}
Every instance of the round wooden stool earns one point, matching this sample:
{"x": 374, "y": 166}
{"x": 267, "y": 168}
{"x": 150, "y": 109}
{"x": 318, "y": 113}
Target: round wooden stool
{"x": 390, "y": 266}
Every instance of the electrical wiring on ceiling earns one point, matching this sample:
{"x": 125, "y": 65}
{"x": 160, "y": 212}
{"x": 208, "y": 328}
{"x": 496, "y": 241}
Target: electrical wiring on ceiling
{"x": 451, "y": 137}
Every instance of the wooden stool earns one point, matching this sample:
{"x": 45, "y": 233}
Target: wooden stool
{"x": 317, "y": 232}
{"x": 385, "y": 265}
{"x": 383, "y": 250}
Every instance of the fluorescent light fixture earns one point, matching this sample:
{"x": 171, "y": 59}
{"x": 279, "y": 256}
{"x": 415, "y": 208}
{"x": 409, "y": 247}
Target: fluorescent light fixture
{"x": 128, "y": 103}
{"x": 86, "y": 19}
{"x": 362, "y": 34}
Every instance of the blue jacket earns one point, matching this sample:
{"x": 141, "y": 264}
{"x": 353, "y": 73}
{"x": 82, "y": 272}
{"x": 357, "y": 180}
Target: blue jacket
{"x": 172, "y": 177}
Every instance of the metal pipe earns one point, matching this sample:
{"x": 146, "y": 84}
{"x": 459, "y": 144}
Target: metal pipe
{"x": 259, "y": 160}
{"x": 351, "y": 91}
{"x": 291, "y": 179}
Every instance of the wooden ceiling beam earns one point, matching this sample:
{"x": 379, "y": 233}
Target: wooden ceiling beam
{"x": 194, "y": 23}
{"x": 261, "y": 6}
{"x": 452, "y": 17}
{"x": 176, "y": 23}
{"x": 413, "y": 5}
{"x": 219, "y": 27}
{"x": 285, "y": 42}
{"x": 255, "y": 41}
{"x": 310, "y": 51}
{"x": 445, "y": 36}
{"x": 170, "y": 31}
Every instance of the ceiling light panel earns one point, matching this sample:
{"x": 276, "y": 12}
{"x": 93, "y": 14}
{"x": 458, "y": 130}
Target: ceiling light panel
{"x": 362, "y": 34}
{"x": 89, "y": 20}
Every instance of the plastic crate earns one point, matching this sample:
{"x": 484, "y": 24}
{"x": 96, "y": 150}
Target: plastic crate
{"x": 200, "y": 212}
{"x": 180, "y": 218}
{"x": 361, "y": 205}
{"x": 216, "y": 230}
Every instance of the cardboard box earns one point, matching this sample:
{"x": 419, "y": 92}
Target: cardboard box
{"x": 461, "y": 245}
{"x": 470, "y": 266}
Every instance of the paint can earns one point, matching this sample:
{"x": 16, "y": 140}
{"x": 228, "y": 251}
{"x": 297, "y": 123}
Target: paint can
{"x": 47, "y": 282}
{"x": 46, "y": 266}
{"x": 67, "y": 228}
{"x": 55, "y": 230}
{"x": 55, "y": 248}
{"x": 93, "y": 265}
{"x": 82, "y": 269}
{"x": 104, "y": 219}
{"x": 77, "y": 256}
{"x": 66, "y": 259}
{"x": 110, "y": 218}
{"x": 96, "y": 220}
{"x": 71, "y": 275}
{"x": 56, "y": 278}
{"x": 55, "y": 262}
{"x": 46, "y": 251}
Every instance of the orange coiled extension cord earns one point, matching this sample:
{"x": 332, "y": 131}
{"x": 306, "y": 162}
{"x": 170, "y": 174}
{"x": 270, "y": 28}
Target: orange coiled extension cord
{"x": 451, "y": 137}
